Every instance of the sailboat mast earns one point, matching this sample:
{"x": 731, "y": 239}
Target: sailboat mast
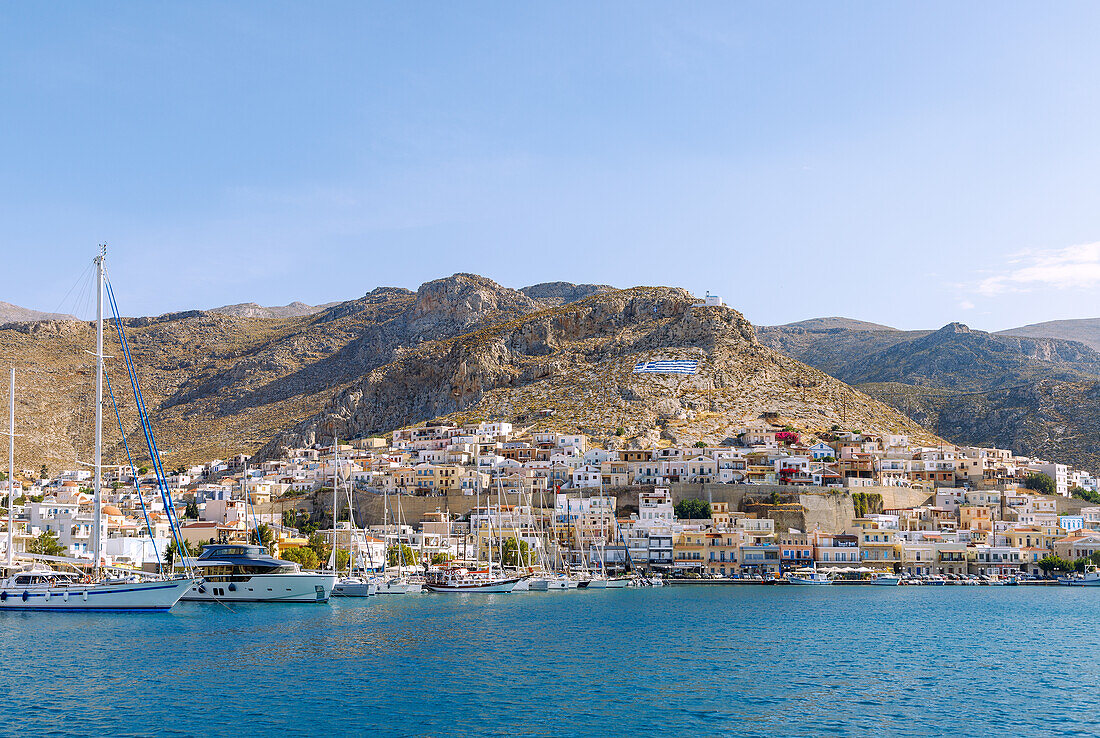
{"x": 11, "y": 471}
{"x": 97, "y": 508}
{"x": 335, "y": 482}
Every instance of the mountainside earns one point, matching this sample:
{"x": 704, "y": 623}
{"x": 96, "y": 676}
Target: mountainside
{"x": 576, "y": 361}
{"x": 14, "y": 314}
{"x": 1085, "y": 330}
{"x": 463, "y": 346}
{"x": 1035, "y": 395}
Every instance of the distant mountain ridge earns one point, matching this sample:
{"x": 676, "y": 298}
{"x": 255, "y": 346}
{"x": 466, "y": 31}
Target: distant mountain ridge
{"x": 1033, "y": 394}
{"x": 252, "y": 310}
{"x": 14, "y": 314}
{"x": 1085, "y": 330}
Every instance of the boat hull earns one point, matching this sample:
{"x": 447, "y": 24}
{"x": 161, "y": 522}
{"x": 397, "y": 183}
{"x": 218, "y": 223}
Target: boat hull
{"x": 399, "y": 588}
{"x": 797, "y": 580}
{"x": 500, "y": 586}
{"x": 354, "y": 588}
{"x": 122, "y": 597}
{"x": 304, "y": 587}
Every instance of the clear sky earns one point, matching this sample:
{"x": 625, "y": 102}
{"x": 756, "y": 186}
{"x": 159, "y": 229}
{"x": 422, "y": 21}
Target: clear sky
{"x": 906, "y": 163}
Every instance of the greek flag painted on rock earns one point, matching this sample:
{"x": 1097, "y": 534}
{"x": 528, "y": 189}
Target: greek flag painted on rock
{"x": 667, "y": 366}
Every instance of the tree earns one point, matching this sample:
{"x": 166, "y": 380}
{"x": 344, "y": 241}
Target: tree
{"x": 1051, "y": 563}
{"x": 514, "y": 557}
{"x": 408, "y": 556}
{"x": 290, "y": 517}
{"x": 191, "y": 550}
{"x": 317, "y": 543}
{"x": 1085, "y": 494}
{"x": 192, "y": 511}
{"x": 692, "y": 509}
{"x": 266, "y": 537}
{"x": 143, "y": 471}
{"x": 441, "y": 558}
{"x": 1040, "y": 483}
{"x": 46, "y": 544}
{"x": 700, "y": 444}
{"x": 304, "y": 557}
{"x": 43, "y": 474}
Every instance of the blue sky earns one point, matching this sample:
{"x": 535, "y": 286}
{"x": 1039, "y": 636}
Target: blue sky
{"x": 907, "y": 163}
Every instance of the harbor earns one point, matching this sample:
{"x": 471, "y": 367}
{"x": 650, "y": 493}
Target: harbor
{"x": 666, "y": 661}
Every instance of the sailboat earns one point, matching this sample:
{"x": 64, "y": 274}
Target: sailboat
{"x": 38, "y": 587}
{"x": 349, "y": 586}
{"x": 398, "y": 583}
{"x": 461, "y": 579}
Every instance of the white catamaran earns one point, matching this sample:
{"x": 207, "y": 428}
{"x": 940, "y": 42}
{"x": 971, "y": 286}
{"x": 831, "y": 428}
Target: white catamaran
{"x": 38, "y": 588}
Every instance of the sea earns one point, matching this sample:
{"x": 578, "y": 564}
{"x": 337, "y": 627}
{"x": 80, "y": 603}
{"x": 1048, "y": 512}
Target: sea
{"x": 671, "y": 661}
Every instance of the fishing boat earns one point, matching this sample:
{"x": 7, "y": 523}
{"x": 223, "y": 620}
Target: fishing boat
{"x": 809, "y": 576}
{"x": 1089, "y": 578}
{"x": 464, "y": 580}
{"x": 39, "y": 587}
{"x": 239, "y": 572}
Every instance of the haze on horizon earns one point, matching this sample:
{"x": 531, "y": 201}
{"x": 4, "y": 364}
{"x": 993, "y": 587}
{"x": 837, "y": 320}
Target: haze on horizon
{"x": 906, "y": 164}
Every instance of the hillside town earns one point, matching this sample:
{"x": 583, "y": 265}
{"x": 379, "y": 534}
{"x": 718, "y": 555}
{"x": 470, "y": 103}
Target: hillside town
{"x": 947, "y": 511}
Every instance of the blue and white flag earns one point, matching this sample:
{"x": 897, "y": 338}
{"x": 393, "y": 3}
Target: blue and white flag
{"x": 667, "y": 366}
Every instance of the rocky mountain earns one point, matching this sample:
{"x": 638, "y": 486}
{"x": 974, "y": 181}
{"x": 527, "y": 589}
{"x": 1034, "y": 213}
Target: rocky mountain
{"x": 1085, "y": 330}
{"x": 570, "y": 367}
{"x": 462, "y": 347}
{"x": 14, "y": 314}
{"x": 552, "y": 294}
{"x": 819, "y": 324}
{"x": 252, "y": 310}
{"x": 1035, "y": 395}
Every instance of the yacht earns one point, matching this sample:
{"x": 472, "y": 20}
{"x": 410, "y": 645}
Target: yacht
{"x": 40, "y": 588}
{"x": 464, "y": 580}
{"x": 886, "y": 580}
{"x": 246, "y": 573}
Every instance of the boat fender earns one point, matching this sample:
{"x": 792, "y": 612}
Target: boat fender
{"x": 202, "y": 589}
{"x": 3, "y": 596}
{"x": 25, "y": 595}
{"x": 232, "y": 587}
{"x": 65, "y": 597}
{"x": 85, "y": 595}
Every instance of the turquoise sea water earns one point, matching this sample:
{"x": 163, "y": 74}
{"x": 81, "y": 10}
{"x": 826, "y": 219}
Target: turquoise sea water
{"x": 667, "y": 662}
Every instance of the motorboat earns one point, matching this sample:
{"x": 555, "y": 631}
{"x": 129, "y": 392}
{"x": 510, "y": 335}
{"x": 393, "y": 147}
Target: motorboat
{"x": 464, "y": 580}
{"x": 354, "y": 587}
{"x": 246, "y": 573}
{"x": 398, "y": 585}
{"x": 40, "y": 588}
{"x": 809, "y": 576}
{"x": 886, "y": 580}
{"x": 1089, "y": 578}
